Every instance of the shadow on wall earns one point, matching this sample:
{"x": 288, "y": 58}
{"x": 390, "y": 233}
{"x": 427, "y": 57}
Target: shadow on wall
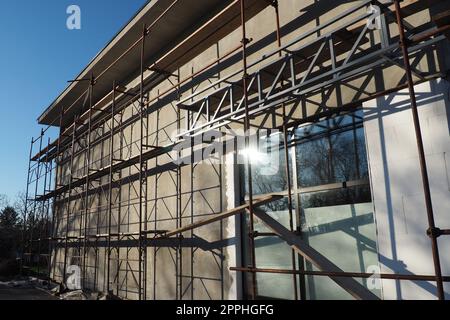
{"x": 400, "y": 201}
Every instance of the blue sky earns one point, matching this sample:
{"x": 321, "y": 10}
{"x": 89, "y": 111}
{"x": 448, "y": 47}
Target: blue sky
{"x": 38, "y": 56}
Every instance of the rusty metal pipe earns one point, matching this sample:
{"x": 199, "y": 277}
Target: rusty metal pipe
{"x": 410, "y": 277}
{"x": 420, "y": 147}
{"x": 247, "y": 145}
{"x": 429, "y": 34}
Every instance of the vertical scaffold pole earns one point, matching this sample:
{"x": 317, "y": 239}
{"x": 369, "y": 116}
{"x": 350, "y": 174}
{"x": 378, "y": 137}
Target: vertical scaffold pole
{"x": 142, "y": 176}
{"x": 179, "y": 200}
{"x": 69, "y": 199}
{"x": 251, "y": 230}
{"x": 432, "y": 230}
{"x": 110, "y": 197}
{"x": 286, "y": 155}
{"x": 25, "y": 210}
{"x": 43, "y": 215}
{"x": 48, "y": 231}
{"x": 54, "y": 230}
{"x": 87, "y": 183}
{"x": 35, "y": 205}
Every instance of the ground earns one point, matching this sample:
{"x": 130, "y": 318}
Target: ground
{"x": 9, "y": 291}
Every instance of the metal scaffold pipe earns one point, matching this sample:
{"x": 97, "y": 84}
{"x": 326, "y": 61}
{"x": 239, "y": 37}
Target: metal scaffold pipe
{"x": 251, "y": 230}
{"x": 421, "y": 151}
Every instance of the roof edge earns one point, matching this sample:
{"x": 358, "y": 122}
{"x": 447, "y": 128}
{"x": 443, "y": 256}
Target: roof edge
{"x": 120, "y": 34}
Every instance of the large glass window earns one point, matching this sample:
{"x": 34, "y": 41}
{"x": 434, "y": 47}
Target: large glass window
{"x": 333, "y": 210}
{"x": 331, "y": 151}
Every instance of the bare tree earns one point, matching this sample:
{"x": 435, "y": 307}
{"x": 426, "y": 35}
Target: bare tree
{"x": 4, "y": 201}
{"x": 20, "y": 205}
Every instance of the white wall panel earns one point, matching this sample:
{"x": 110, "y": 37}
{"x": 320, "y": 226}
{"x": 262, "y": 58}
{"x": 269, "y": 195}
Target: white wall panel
{"x": 397, "y": 186}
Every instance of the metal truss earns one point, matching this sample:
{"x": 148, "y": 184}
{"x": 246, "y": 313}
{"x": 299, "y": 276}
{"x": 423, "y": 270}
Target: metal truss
{"x": 332, "y": 58}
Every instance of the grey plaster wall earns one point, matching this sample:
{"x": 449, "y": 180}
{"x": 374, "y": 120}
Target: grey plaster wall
{"x": 201, "y": 270}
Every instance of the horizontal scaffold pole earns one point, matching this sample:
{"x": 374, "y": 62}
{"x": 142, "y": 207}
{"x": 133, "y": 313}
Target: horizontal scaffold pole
{"x": 256, "y": 203}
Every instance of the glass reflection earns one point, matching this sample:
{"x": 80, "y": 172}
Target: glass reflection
{"x": 334, "y": 219}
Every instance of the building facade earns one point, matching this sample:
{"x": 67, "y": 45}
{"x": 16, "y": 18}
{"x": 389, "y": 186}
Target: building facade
{"x": 253, "y": 149}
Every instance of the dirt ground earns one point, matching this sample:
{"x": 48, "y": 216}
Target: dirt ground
{"x": 23, "y": 292}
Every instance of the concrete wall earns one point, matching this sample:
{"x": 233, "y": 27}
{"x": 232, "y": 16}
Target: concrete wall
{"x": 397, "y": 186}
{"x": 202, "y": 269}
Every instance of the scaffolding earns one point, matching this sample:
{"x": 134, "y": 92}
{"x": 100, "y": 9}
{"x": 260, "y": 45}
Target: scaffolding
{"x": 61, "y": 193}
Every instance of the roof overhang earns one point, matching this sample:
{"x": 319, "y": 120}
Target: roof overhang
{"x": 179, "y": 22}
